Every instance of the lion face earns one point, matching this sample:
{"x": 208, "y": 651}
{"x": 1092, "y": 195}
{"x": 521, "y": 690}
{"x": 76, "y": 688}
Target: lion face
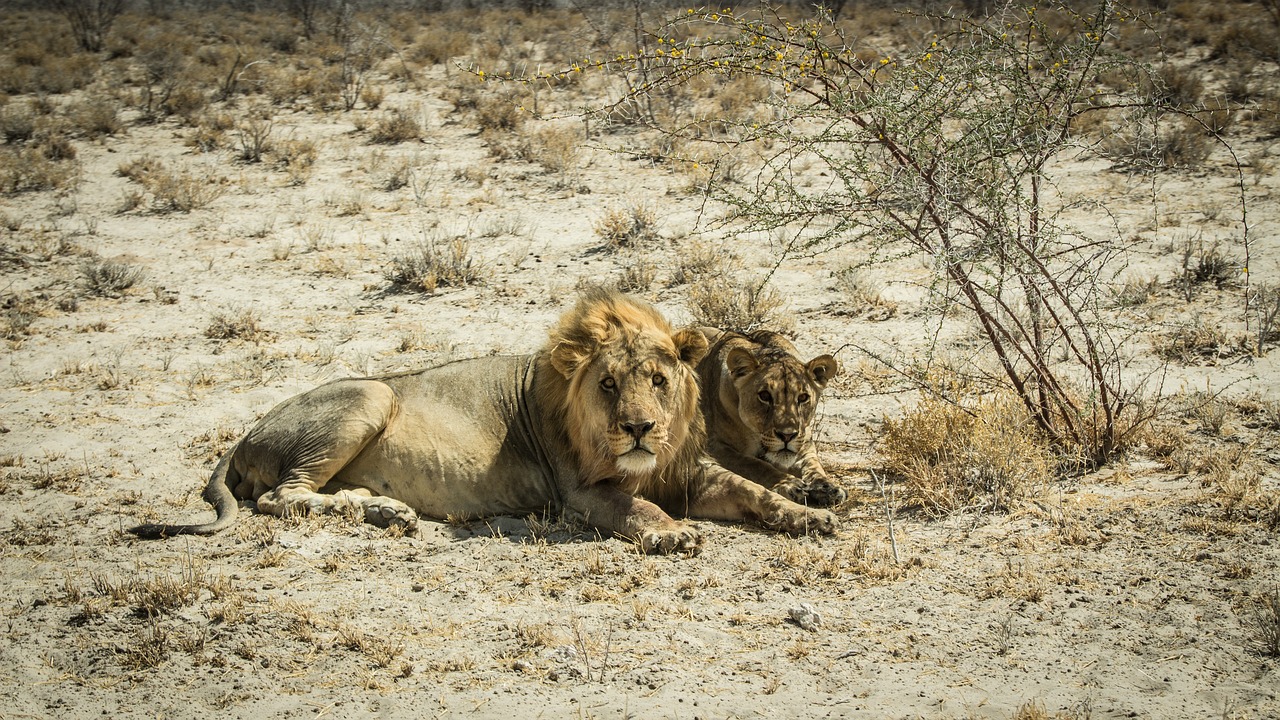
{"x": 632, "y": 392}
{"x": 776, "y": 398}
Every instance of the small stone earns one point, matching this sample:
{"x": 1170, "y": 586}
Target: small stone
{"x": 806, "y": 616}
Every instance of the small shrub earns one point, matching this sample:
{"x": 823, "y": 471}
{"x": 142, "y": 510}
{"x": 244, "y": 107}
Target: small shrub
{"x": 109, "y": 278}
{"x": 980, "y": 452}
{"x": 254, "y": 135}
{"x": 628, "y": 227}
{"x": 236, "y": 324}
{"x": 697, "y": 260}
{"x": 1176, "y": 87}
{"x": 1148, "y": 146}
{"x": 95, "y": 116}
{"x": 1266, "y": 623}
{"x": 555, "y": 148}
{"x": 17, "y": 122}
{"x": 1212, "y": 265}
{"x": 432, "y": 264}
{"x": 17, "y": 313}
{"x": 297, "y": 158}
{"x": 864, "y": 294}
{"x": 637, "y": 276}
{"x": 720, "y": 301}
{"x": 180, "y": 189}
{"x": 396, "y": 126}
{"x": 372, "y": 97}
{"x": 31, "y": 169}
{"x": 498, "y": 112}
{"x": 1196, "y": 342}
{"x": 438, "y": 45}
{"x": 1134, "y": 292}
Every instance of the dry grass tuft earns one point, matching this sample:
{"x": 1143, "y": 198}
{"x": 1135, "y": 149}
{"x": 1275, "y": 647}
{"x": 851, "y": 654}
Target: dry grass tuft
{"x": 981, "y": 452}
{"x": 236, "y": 324}
{"x": 628, "y": 227}
{"x": 180, "y": 189}
{"x": 434, "y": 263}
{"x": 396, "y": 126}
{"x": 1266, "y": 623}
{"x": 110, "y": 278}
{"x": 1197, "y": 342}
{"x": 720, "y": 301}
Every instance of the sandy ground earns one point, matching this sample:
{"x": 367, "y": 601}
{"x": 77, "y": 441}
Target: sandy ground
{"x": 1129, "y": 593}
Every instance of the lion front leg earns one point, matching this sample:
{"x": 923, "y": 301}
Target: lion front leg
{"x": 723, "y": 495}
{"x": 606, "y": 507}
{"x": 807, "y": 484}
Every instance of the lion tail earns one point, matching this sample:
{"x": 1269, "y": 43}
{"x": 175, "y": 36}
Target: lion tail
{"x": 217, "y": 493}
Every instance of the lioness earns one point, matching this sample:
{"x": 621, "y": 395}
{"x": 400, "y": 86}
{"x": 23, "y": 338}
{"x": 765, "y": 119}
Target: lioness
{"x": 602, "y": 422}
{"x": 759, "y": 398}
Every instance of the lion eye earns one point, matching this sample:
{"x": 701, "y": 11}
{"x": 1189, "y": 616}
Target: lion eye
{"x": 766, "y": 397}
{"x": 609, "y": 384}
{"x": 802, "y": 398}
{"x": 659, "y": 380}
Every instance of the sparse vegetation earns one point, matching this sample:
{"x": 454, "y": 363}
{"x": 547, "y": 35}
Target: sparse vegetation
{"x": 726, "y": 303}
{"x": 434, "y": 263}
{"x": 1265, "y": 619}
{"x": 236, "y": 324}
{"x": 342, "y": 167}
{"x": 973, "y": 453}
{"x": 395, "y": 126}
{"x": 110, "y": 278}
{"x": 634, "y": 226}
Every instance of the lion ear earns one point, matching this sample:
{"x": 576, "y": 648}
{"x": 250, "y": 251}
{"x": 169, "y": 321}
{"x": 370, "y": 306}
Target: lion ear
{"x": 822, "y": 369}
{"x": 691, "y": 345}
{"x": 740, "y": 362}
{"x": 567, "y": 357}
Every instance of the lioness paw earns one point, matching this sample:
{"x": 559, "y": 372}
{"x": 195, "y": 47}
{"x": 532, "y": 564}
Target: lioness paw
{"x": 683, "y": 539}
{"x": 792, "y": 489}
{"x": 388, "y": 512}
{"x": 803, "y": 521}
{"x": 821, "y": 492}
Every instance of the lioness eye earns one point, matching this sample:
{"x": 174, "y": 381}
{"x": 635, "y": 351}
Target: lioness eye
{"x": 766, "y": 397}
{"x": 802, "y": 398}
{"x": 608, "y": 383}
{"x": 659, "y": 380}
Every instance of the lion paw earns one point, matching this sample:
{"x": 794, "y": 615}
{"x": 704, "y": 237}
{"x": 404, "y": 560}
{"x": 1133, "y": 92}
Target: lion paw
{"x": 389, "y": 512}
{"x": 819, "y": 492}
{"x": 684, "y": 539}
{"x": 803, "y": 521}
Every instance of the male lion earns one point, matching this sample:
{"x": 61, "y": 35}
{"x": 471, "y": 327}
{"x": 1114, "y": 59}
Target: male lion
{"x": 602, "y": 422}
{"x": 758, "y": 398}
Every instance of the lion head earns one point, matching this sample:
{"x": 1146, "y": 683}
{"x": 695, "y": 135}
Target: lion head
{"x": 776, "y": 393}
{"x": 627, "y": 390}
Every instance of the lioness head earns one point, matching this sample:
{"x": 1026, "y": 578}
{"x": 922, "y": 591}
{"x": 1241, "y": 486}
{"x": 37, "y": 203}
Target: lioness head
{"x": 631, "y": 399}
{"x": 777, "y": 394}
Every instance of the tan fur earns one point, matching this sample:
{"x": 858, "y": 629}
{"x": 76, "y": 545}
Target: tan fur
{"x": 602, "y": 423}
{"x": 759, "y": 399}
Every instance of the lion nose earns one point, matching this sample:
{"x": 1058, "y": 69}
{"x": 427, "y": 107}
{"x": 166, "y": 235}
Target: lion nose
{"x": 637, "y": 430}
{"x": 786, "y": 436}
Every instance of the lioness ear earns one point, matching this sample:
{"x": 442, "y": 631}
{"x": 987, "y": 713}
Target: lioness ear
{"x": 567, "y": 357}
{"x": 822, "y": 369}
{"x": 691, "y": 345}
{"x": 740, "y": 361}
